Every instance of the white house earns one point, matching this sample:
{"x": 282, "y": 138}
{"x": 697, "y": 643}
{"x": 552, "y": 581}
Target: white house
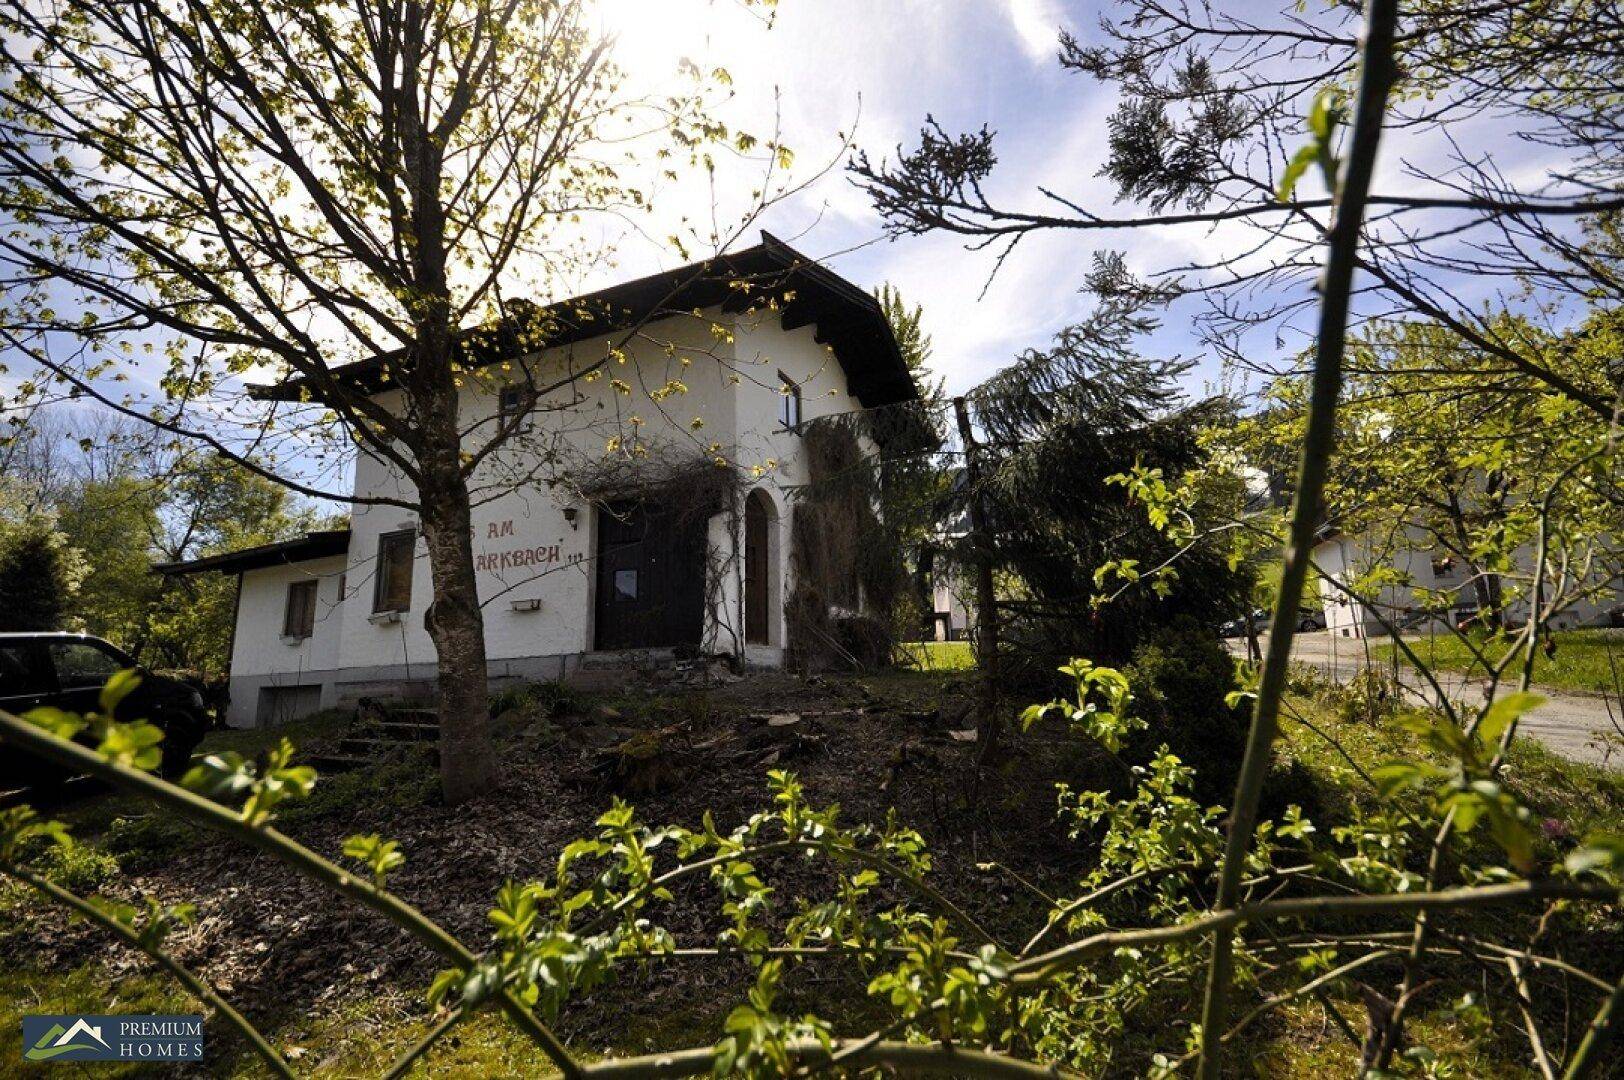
{"x": 569, "y": 570}
{"x": 1412, "y": 569}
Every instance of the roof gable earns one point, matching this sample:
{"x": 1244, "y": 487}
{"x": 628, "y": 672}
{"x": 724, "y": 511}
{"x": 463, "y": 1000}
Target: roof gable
{"x": 846, "y": 319}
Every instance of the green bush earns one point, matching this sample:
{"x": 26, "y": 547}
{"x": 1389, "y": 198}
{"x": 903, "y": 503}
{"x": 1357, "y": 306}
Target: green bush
{"x": 1180, "y": 676}
{"x": 144, "y": 841}
{"x": 549, "y": 699}
{"x": 1370, "y": 697}
{"x": 39, "y": 573}
{"x": 77, "y": 867}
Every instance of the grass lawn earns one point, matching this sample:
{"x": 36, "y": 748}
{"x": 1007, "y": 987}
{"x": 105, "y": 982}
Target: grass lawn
{"x": 1585, "y": 659}
{"x": 940, "y": 655}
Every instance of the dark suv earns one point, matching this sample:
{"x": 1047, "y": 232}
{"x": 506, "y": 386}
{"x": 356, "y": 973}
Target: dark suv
{"x": 68, "y": 671}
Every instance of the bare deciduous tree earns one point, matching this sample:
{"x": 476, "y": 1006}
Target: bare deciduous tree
{"x": 279, "y": 189}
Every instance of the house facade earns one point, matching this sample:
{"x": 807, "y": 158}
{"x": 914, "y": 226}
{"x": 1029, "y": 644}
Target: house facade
{"x": 684, "y": 546}
{"x": 1411, "y": 568}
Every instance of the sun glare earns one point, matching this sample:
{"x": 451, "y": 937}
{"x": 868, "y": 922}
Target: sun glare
{"x": 653, "y": 36}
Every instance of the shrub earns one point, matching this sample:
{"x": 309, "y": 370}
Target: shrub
{"x": 1180, "y": 677}
{"x": 865, "y": 640}
{"x": 78, "y": 867}
{"x": 144, "y": 841}
{"x": 549, "y": 699}
{"x": 1306, "y": 680}
{"x": 391, "y": 787}
{"x": 39, "y": 574}
{"x": 1369, "y": 697}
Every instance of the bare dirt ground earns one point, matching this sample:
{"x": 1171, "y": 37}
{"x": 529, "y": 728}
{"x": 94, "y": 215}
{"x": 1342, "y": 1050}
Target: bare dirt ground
{"x": 271, "y": 941}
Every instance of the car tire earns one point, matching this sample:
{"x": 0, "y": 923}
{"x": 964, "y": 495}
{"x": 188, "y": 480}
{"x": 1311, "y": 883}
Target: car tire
{"x": 182, "y": 734}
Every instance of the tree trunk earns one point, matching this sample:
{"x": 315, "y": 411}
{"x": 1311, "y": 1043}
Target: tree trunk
{"x": 454, "y": 619}
{"x": 1485, "y": 585}
{"x": 986, "y": 641}
{"x": 456, "y": 623}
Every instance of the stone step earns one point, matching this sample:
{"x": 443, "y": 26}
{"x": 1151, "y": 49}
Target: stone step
{"x": 379, "y": 749}
{"x": 327, "y": 764}
{"x": 408, "y": 730}
{"x": 621, "y": 659}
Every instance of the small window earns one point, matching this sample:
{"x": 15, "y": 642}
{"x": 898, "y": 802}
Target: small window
{"x": 393, "y": 590}
{"x": 625, "y": 586}
{"x": 299, "y": 617}
{"x": 789, "y": 411}
{"x": 82, "y": 666}
{"x": 510, "y": 403}
{"x": 1443, "y": 566}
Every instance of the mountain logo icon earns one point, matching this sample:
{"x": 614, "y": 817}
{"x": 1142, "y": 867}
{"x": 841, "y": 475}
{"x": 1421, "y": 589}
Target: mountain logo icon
{"x": 59, "y": 1040}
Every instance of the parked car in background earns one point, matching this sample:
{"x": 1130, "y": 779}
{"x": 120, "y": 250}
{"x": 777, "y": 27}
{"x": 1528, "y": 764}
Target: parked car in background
{"x": 1311, "y": 619}
{"x": 1237, "y": 627}
{"x": 68, "y": 671}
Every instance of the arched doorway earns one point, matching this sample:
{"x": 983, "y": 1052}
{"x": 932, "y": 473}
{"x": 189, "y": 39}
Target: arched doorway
{"x": 758, "y": 562}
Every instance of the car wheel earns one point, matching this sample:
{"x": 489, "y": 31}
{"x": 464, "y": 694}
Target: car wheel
{"x": 182, "y": 734}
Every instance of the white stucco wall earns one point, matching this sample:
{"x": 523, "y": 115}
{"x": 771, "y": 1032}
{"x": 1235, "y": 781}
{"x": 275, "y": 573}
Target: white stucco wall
{"x": 1347, "y": 558}
{"x": 259, "y": 647}
{"x": 764, "y": 350}
{"x": 261, "y": 657}
{"x": 525, "y": 549}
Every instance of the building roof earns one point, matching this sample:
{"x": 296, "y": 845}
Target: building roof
{"x": 316, "y": 545}
{"x": 846, "y": 318}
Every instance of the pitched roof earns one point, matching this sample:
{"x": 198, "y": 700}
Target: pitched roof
{"x": 846, "y": 318}
{"x": 316, "y": 545}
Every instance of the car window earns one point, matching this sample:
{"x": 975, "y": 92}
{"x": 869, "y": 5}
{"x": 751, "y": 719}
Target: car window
{"x": 82, "y": 666}
{"x": 22, "y": 672}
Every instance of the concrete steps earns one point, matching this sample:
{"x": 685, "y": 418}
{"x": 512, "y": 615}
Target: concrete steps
{"x": 383, "y": 733}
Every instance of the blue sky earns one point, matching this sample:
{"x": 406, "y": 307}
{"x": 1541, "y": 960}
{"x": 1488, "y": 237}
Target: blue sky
{"x": 886, "y": 64}
{"x": 874, "y": 69}
{"x": 993, "y": 62}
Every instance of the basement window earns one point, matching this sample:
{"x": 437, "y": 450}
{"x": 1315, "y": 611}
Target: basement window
{"x": 392, "y": 590}
{"x": 789, "y": 410}
{"x": 299, "y": 616}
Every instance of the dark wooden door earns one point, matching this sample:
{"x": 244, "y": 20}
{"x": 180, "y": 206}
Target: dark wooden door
{"x": 651, "y": 579}
{"x": 755, "y": 571}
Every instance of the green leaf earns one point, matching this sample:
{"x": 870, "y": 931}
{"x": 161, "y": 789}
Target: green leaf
{"x": 1501, "y": 714}
{"x": 62, "y": 724}
{"x": 443, "y": 984}
{"x": 134, "y": 745}
{"x": 1397, "y": 776}
{"x": 1323, "y": 117}
{"x": 1600, "y": 852}
{"x": 1032, "y": 714}
{"x": 381, "y": 856}
{"x": 1305, "y": 156}
{"x": 117, "y": 689}
{"x": 1325, "y": 113}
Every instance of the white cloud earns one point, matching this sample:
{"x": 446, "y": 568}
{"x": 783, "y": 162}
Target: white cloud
{"x": 1037, "y": 24}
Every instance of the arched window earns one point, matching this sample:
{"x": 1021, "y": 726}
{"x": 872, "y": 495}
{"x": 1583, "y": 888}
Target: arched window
{"x": 759, "y": 559}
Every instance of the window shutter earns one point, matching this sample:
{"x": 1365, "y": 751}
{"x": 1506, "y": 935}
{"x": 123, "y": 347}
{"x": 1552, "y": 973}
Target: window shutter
{"x": 394, "y": 589}
{"x": 299, "y": 619}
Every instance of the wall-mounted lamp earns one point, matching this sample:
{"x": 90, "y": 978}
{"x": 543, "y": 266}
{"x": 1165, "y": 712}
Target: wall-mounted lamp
{"x": 525, "y": 605}
{"x": 570, "y": 514}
